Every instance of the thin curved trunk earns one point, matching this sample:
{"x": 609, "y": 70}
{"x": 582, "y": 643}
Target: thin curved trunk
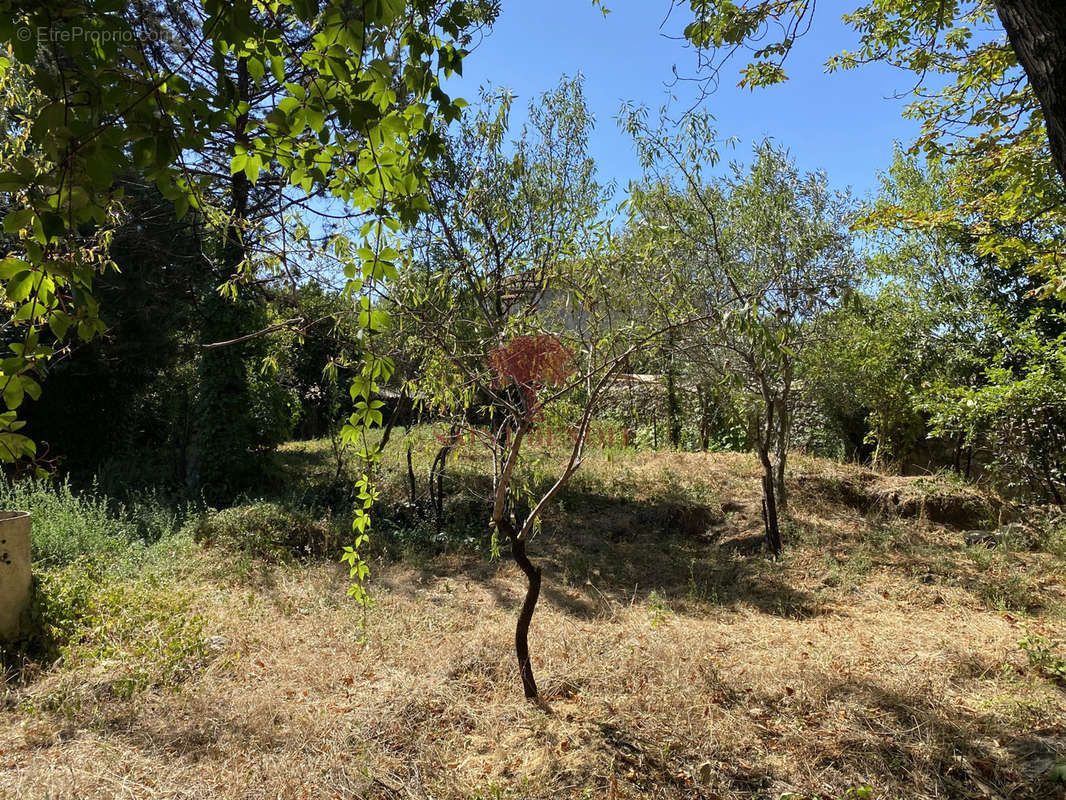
{"x": 529, "y": 605}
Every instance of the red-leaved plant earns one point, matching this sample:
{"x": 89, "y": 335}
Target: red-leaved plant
{"x": 531, "y": 362}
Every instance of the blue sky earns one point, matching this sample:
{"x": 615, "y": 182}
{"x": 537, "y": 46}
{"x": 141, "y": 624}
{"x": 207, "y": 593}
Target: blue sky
{"x": 843, "y": 123}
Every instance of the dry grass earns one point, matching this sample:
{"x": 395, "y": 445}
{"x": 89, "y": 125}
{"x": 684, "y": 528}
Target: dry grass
{"x": 675, "y": 663}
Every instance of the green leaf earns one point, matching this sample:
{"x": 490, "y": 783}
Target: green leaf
{"x": 17, "y": 219}
{"x": 1057, "y": 774}
{"x": 59, "y": 322}
{"x": 53, "y": 225}
{"x": 277, "y": 68}
{"x": 11, "y": 182}
{"x": 252, "y": 166}
{"x": 9, "y": 267}
{"x": 19, "y": 287}
{"x": 14, "y": 446}
{"x": 13, "y": 392}
{"x": 144, "y": 152}
{"x": 256, "y": 69}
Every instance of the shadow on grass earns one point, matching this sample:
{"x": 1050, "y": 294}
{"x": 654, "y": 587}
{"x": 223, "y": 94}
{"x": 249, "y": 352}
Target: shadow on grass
{"x": 952, "y": 751}
{"x": 597, "y": 552}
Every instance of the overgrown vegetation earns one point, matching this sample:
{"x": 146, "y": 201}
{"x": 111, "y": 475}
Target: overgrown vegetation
{"x": 783, "y": 472}
{"x": 670, "y": 655}
{"x": 71, "y": 526}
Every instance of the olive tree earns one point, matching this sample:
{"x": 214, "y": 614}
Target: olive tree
{"x": 754, "y": 258}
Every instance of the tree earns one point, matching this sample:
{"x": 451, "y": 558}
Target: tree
{"x": 972, "y": 95}
{"x": 502, "y": 317}
{"x": 963, "y": 349}
{"x": 311, "y": 351}
{"x": 920, "y": 36}
{"x": 920, "y": 315}
{"x": 1015, "y": 412}
{"x": 358, "y": 126}
{"x": 130, "y": 393}
{"x": 500, "y": 224}
{"x": 753, "y": 261}
{"x": 1037, "y": 33}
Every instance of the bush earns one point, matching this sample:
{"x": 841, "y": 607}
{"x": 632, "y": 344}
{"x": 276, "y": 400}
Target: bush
{"x": 69, "y": 526}
{"x": 1016, "y": 414}
{"x": 269, "y": 531}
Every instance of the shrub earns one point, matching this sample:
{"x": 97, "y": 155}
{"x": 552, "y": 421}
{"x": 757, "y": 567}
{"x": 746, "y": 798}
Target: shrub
{"x": 267, "y": 530}
{"x": 69, "y": 526}
{"x": 1016, "y": 413}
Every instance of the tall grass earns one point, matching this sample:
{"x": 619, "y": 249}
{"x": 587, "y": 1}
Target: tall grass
{"x": 68, "y": 526}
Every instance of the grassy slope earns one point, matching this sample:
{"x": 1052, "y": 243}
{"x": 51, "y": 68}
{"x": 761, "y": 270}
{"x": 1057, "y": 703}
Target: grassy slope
{"x": 676, "y": 662}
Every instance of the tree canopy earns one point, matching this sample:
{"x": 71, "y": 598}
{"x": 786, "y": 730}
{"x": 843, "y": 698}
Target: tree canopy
{"x": 985, "y": 96}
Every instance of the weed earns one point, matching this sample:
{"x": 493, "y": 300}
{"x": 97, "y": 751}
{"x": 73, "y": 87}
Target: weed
{"x": 1051, "y": 537}
{"x": 697, "y": 589}
{"x": 60, "y": 603}
{"x": 70, "y": 527}
{"x": 853, "y": 793}
{"x": 1057, "y": 773}
{"x": 657, "y": 609}
{"x": 268, "y": 531}
{"x": 982, "y": 557}
{"x": 1044, "y": 657}
{"x": 115, "y": 638}
{"x": 1008, "y": 591}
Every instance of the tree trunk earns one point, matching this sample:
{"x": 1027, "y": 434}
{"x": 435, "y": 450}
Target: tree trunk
{"x": 227, "y": 433}
{"x": 769, "y": 505}
{"x": 769, "y": 512}
{"x": 1037, "y": 33}
{"x": 529, "y": 605}
{"x": 783, "y": 405}
{"x": 673, "y": 402}
{"x": 765, "y": 432}
{"x": 411, "y": 476}
{"x": 780, "y": 492}
{"x": 781, "y": 456}
{"x": 436, "y": 480}
{"x": 705, "y": 422}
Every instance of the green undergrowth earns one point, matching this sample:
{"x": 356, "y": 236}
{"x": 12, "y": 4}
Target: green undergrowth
{"x": 103, "y": 584}
{"x": 249, "y": 538}
{"x": 111, "y": 638}
{"x": 70, "y": 527}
